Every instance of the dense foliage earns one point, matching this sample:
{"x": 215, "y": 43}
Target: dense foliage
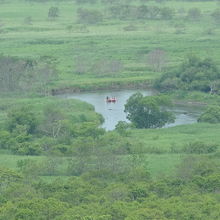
{"x": 56, "y": 162}
{"x": 193, "y": 74}
{"x": 149, "y": 111}
{"x": 211, "y": 115}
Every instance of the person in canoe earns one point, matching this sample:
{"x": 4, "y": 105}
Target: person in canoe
{"x": 113, "y": 99}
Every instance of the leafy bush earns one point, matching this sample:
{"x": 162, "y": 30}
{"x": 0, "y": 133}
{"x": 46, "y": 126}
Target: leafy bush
{"x": 211, "y": 115}
{"x": 22, "y": 117}
{"x": 200, "y": 148}
{"x": 53, "y": 12}
{"x": 192, "y": 74}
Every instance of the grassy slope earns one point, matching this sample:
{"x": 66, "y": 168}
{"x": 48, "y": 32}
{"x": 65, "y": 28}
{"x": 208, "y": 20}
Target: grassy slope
{"x": 103, "y": 41}
{"x": 71, "y": 107}
{"x": 178, "y": 136}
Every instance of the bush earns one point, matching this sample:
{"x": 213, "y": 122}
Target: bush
{"x": 22, "y": 117}
{"x": 211, "y": 115}
{"x": 193, "y": 74}
{"x": 167, "y": 13}
{"x": 53, "y": 12}
{"x": 200, "y": 148}
{"x": 86, "y": 16}
{"x": 27, "y": 148}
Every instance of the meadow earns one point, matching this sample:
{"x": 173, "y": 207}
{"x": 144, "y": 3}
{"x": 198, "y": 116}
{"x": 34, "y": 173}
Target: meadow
{"x": 56, "y": 162}
{"x": 68, "y": 44}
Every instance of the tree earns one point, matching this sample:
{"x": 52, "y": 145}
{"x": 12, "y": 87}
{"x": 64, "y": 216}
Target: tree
{"x": 53, "y": 121}
{"x": 148, "y": 111}
{"x": 22, "y": 117}
{"x": 167, "y": 13}
{"x": 211, "y": 115}
{"x": 157, "y": 59}
{"x": 53, "y": 12}
{"x": 193, "y": 74}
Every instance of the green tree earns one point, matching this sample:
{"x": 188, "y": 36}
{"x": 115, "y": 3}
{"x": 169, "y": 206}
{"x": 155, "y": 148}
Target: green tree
{"x": 193, "y": 74}
{"x": 167, "y": 13}
{"x": 53, "y": 12}
{"x": 211, "y": 115}
{"x": 22, "y": 117}
{"x": 149, "y": 111}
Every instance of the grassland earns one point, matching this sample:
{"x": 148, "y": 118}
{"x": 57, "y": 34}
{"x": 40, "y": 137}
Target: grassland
{"x": 161, "y": 148}
{"x": 62, "y": 40}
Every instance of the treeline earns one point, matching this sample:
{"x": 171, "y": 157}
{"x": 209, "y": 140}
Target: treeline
{"x": 125, "y": 10}
{"x": 142, "y": 12}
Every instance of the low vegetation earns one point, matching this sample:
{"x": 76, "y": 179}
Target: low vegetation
{"x": 192, "y": 74}
{"x": 56, "y": 162}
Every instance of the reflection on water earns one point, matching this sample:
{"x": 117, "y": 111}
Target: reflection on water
{"x": 114, "y": 112}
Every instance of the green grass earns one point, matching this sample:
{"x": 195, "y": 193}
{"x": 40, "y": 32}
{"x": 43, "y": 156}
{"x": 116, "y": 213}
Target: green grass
{"x": 158, "y": 164}
{"x": 104, "y": 41}
{"x": 108, "y": 40}
{"x": 178, "y": 136}
{"x": 71, "y": 107}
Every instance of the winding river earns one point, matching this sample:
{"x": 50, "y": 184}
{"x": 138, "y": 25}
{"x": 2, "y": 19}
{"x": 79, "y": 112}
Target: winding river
{"x": 114, "y": 112}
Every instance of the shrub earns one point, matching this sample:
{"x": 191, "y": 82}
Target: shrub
{"x": 200, "y": 148}
{"x": 86, "y": 16}
{"x": 193, "y": 74}
{"x": 53, "y": 12}
{"x": 211, "y": 115}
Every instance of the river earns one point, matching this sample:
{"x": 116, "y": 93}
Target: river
{"x": 114, "y": 112}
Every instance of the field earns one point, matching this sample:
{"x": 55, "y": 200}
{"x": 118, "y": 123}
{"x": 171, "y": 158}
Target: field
{"x": 67, "y": 44}
{"x": 57, "y": 162}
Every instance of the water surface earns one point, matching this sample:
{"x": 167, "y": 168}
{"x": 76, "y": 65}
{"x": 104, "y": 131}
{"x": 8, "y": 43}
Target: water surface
{"x": 114, "y": 112}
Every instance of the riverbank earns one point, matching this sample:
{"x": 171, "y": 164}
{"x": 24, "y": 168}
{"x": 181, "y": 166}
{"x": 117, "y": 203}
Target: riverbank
{"x": 101, "y": 84}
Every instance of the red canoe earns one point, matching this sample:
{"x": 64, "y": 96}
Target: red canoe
{"x": 111, "y": 100}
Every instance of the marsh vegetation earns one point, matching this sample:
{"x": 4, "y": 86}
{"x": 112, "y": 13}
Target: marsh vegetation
{"x": 56, "y": 162}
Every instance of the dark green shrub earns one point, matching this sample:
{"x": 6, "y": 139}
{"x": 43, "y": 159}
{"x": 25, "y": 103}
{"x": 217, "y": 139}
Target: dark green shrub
{"x": 200, "y": 148}
{"x": 211, "y": 115}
